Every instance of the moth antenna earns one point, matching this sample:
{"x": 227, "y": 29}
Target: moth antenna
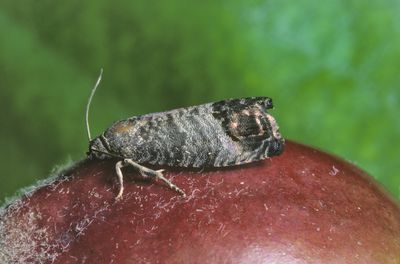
{"x": 89, "y": 102}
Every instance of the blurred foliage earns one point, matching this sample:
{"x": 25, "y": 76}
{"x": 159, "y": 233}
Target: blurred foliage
{"x": 331, "y": 67}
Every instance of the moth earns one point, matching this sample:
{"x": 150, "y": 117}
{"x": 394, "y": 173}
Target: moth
{"x": 225, "y": 133}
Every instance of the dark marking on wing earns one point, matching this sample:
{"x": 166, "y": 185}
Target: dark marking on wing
{"x": 244, "y": 118}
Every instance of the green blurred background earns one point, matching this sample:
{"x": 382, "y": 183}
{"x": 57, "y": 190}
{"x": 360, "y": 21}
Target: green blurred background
{"x": 332, "y": 68}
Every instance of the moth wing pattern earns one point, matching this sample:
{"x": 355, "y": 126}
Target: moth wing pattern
{"x": 246, "y": 122}
{"x": 225, "y": 133}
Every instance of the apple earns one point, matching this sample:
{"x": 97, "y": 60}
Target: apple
{"x": 304, "y": 206}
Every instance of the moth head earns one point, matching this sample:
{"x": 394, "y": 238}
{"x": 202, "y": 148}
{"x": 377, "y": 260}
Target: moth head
{"x": 97, "y": 150}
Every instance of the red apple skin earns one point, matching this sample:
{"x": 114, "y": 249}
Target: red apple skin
{"x": 304, "y": 206}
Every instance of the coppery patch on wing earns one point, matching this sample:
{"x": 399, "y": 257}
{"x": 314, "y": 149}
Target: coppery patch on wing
{"x": 123, "y": 127}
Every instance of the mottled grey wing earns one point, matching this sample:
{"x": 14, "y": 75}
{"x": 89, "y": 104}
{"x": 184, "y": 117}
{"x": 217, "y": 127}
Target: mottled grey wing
{"x": 217, "y": 134}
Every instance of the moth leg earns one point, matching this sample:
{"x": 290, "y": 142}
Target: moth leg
{"x": 118, "y": 166}
{"x": 157, "y": 174}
